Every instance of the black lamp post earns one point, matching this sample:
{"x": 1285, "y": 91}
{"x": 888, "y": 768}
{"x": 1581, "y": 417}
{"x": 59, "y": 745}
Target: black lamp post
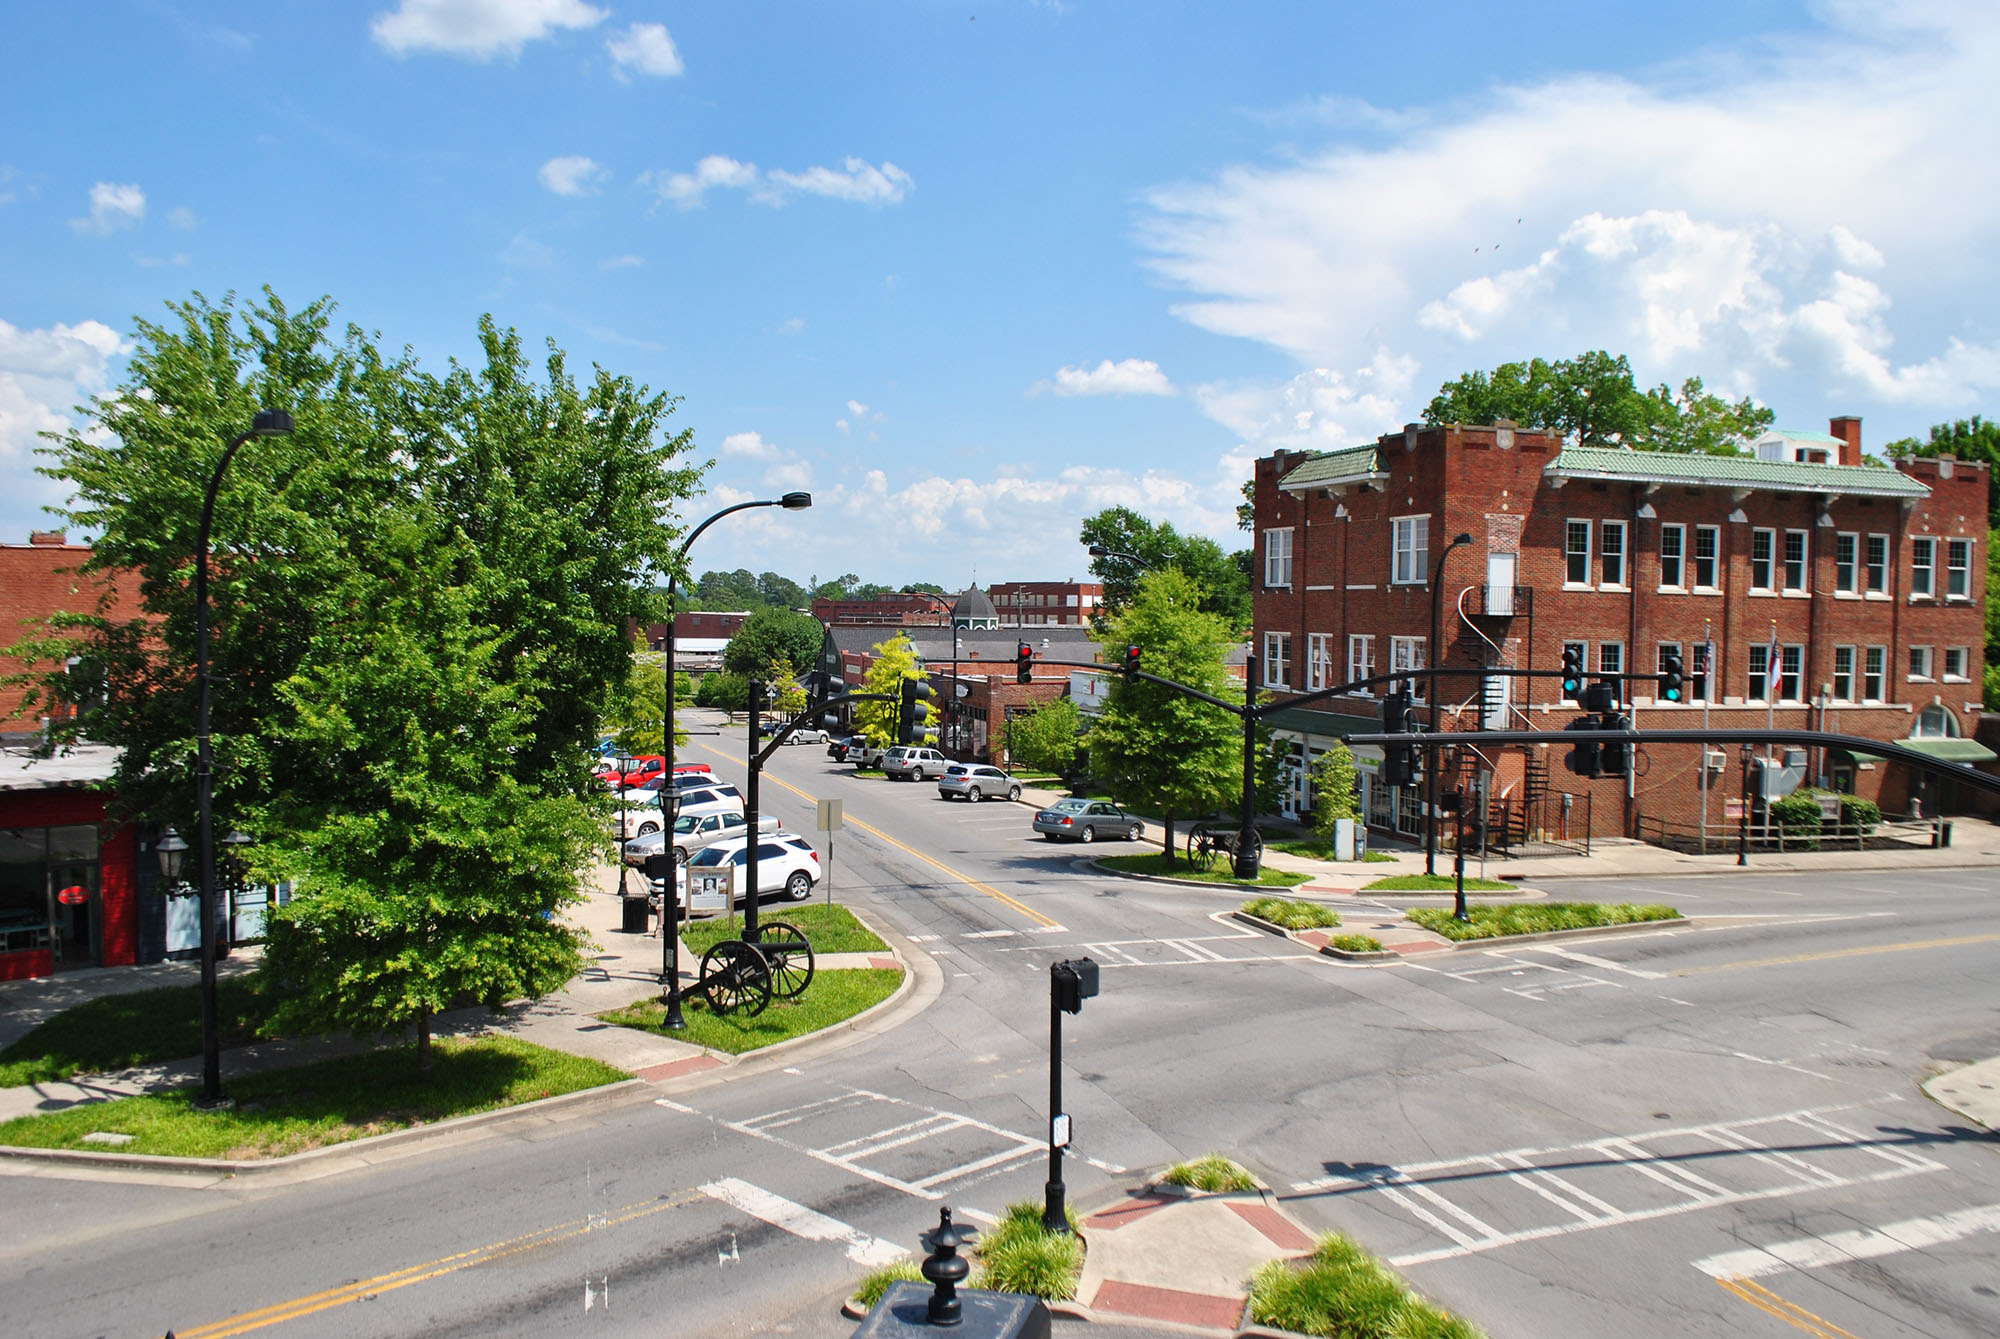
{"x": 268, "y": 423}
{"x": 1431, "y": 768}
{"x": 670, "y": 906}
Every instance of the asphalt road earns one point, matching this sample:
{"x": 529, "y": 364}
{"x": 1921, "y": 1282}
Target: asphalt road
{"x": 1703, "y": 1130}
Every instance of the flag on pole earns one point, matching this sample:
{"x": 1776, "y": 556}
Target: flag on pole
{"x": 1772, "y": 663}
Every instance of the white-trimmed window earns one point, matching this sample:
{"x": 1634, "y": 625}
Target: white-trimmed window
{"x": 1957, "y": 569}
{"x": 1756, "y": 686}
{"x": 1576, "y": 553}
{"x": 1791, "y": 673}
{"x": 1920, "y": 663}
{"x": 1795, "y": 562}
{"x": 1956, "y": 661}
{"x": 1874, "y": 673}
{"x": 1843, "y": 674}
{"x": 1319, "y": 661}
{"x": 1673, "y": 556}
{"x": 1707, "y": 557}
{"x": 1410, "y": 546}
{"x": 1278, "y": 557}
{"x": 1361, "y": 661}
{"x": 1847, "y": 563}
{"x": 1763, "y": 564}
{"x": 1611, "y": 660}
{"x": 1277, "y": 660}
{"x": 1698, "y": 672}
{"x": 1406, "y": 656}
{"x": 1878, "y": 565}
{"x": 1923, "y": 567}
{"x": 1611, "y": 553}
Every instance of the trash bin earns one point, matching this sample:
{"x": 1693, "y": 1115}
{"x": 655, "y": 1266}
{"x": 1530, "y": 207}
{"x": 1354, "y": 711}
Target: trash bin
{"x": 1941, "y": 835}
{"x": 635, "y": 916}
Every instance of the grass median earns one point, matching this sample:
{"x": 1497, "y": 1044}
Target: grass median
{"x": 329, "y": 1102}
{"x": 142, "y": 1027}
{"x": 1291, "y": 914}
{"x": 1538, "y": 918}
{"x": 832, "y": 998}
{"x": 1434, "y": 883}
{"x": 1159, "y": 867}
{"x": 832, "y": 929}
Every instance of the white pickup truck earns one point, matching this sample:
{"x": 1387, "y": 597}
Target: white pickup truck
{"x": 691, "y": 833}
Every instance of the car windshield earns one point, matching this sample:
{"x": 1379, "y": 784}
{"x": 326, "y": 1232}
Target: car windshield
{"x": 1068, "y": 806}
{"x": 714, "y": 855}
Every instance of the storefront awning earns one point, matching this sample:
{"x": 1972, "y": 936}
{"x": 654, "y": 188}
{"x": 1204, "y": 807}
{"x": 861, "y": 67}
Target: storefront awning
{"x": 1950, "y": 750}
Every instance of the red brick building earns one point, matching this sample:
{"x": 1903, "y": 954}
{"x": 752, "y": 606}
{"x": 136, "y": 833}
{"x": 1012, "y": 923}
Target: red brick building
{"x": 1046, "y": 603}
{"x": 914, "y": 609}
{"x": 1802, "y": 587}
{"x": 37, "y": 579}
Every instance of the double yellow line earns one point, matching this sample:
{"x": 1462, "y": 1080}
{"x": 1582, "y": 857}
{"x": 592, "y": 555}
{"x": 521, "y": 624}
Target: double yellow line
{"x": 928, "y": 859}
{"x": 1791, "y": 1313}
{"x": 281, "y": 1312}
{"x": 1832, "y": 954}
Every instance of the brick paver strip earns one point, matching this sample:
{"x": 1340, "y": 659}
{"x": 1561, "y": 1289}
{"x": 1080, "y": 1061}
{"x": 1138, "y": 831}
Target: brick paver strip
{"x": 884, "y": 964}
{"x": 673, "y": 1069}
{"x": 1317, "y": 938}
{"x": 1281, "y": 1231}
{"x": 1168, "y": 1304}
{"x": 1130, "y": 1212}
{"x": 1409, "y": 948}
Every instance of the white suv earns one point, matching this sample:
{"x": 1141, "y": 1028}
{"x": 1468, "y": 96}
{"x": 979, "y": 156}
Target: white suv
{"x": 785, "y": 863}
{"x": 908, "y": 762}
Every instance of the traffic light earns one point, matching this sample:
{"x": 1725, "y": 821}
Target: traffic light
{"x": 1600, "y": 696}
{"x": 1584, "y": 759}
{"x": 1399, "y": 761}
{"x": 912, "y": 711}
{"x": 832, "y": 688}
{"x": 1024, "y": 663}
{"x": 1616, "y": 755}
{"x": 1673, "y": 677}
{"x": 1131, "y": 664}
{"x": 1573, "y": 673}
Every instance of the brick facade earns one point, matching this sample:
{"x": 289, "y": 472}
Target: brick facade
{"x": 1046, "y": 603}
{"x": 38, "y": 579}
{"x": 1839, "y": 564}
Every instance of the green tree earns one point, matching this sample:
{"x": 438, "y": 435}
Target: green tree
{"x": 774, "y": 634}
{"x": 1693, "y": 421}
{"x": 1334, "y": 789}
{"x": 783, "y": 694}
{"x": 726, "y": 591}
{"x": 1591, "y": 400}
{"x": 895, "y": 661}
{"x": 637, "y": 714}
{"x": 776, "y": 592}
{"x": 1219, "y": 578}
{"x": 727, "y": 691}
{"x": 1045, "y": 739}
{"x": 1158, "y": 750}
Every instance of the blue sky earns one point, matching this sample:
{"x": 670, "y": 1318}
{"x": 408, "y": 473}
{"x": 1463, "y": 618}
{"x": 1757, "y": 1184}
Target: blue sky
{"x": 973, "y": 271}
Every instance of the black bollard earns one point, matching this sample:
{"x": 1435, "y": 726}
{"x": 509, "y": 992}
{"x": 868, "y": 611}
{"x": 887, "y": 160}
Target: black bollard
{"x": 944, "y": 1269}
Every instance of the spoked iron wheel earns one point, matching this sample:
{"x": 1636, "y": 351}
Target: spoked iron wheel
{"x": 735, "y": 977}
{"x": 790, "y": 954}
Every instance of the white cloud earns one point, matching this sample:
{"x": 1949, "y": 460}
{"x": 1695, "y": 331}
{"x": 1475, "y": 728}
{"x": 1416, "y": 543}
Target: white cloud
{"x": 573, "y": 174}
{"x": 748, "y": 446}
{"x": 781, "y": 470}
{"x": 645, "y": 48}
{"x": 792, "y": 325}
{"x": 480, "y": 29}
{"x": 1133, "y": 376}
{"x": 625, "y": 262}
{"x": 1745, "y": 216}
{"x": 1317, "y": 410}
{"x": 686, "y": 189}
{"x": 860, "y": 182}
{"x": 112, "y": 207}
{"x": 43, "y": 374}
{"x": 858, "y": 409}
{"x": 183, "y": 218}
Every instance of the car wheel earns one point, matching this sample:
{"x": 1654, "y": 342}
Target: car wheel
{"x": 800, "y": 886}
{"x": 680, "y": 855}
{"x": 1089, "y": 833}
{"x": 1138, "y": 831}
{"x": 648, "y": 829}
{"x": 975, "y": 795}
{"x": 1013, "y": 792}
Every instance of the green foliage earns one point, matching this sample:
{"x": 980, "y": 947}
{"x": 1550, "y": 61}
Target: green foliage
{"x": 1590, "y": 400}
{"x": 724, "y": 692}
{"x": 636, "y": 713}
{"x": 1220, "y": 585}
{"x": 895, "y": 661}
{"x": 1341, "y": 1290}
{"x": 1159, "y": 750}
{"x": 1047, "y": 738}
{"x": 1291, "y": 914}
{"x": 1211, "y": 1172}
{"x": 784, "y": 696}
{"x": 774, "y": 635}
{"x": 1856, "y": 812}
{"x": 1334, "y": 789}
{"x": 1163, "y": 865}
{"x": 877, "y": 1282}
{"x": 832, "y": 929}
{"x": 832, "y": 998}
{"x": 1356, "y": 943}
{"x": 1797, "y": 813}
{"x": 144, "y": 1027}
{"x": 1019, "y": 1255}
{"x": 1537, "y": 918}
{"x": 1432, "y": 883}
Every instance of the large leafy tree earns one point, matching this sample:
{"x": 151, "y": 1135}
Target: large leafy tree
{"x": 895, "y": 660}
{"x": 1159, "y": 750}
{"x": 1220, "y": 581}
{"x": 1047, "y": 738}
{"x": 420, "y": 601}
{"x": 774, "y": 634}
{"x": 1591, "y": 400}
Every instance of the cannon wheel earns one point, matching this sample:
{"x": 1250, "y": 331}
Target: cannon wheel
{"x": 790, "y": 954}
{"x": 1201, "y": 847}
{"x": 736, "y": 976}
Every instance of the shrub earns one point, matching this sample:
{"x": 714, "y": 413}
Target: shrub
{"x": 1342, "y": 1290}
{"x": 1798, "y": 815}
{"x": 1856, "y": 812}
{"x": 1289, "y": 914}
{"x": 1211, "y": 1171}
{"x": 1021, "y": 1256}
{"x": 1333, "y": 789}
{"x": 1356, "y": 943}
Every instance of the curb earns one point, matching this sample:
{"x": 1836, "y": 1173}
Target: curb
{"x": 1628, "y": 928}
{"x": 1326, "y": 950}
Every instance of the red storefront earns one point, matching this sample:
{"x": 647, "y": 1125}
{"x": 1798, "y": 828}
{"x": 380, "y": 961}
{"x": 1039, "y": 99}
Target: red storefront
{"x": 68, "y": 880}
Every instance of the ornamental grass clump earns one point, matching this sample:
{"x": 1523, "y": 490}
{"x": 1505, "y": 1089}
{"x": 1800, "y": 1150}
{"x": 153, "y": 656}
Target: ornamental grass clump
{"x": 1019, "y": 1255}
{"x": 879, "y": 1281}
{"x": 1355, "y": 943}
{"x": 1211, "y": 1172}
{"x": 1290, "y": 914}
{"x": 1340, "y": 1290}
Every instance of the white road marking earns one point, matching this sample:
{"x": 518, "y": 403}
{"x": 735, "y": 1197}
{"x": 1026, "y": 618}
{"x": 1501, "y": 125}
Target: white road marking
{"x": 1838, "y": 1248}
{"x": 797, "y": 1219}
{"x": 1780, "y": 1064}
{"x": 1603, "y": 963}
{"x": 989, "y": 934}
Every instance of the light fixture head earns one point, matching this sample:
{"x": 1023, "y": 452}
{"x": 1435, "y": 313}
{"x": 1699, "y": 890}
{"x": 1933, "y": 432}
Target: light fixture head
{"x": 170, "y": 849}
{"x": 271, "y": 423}
{"x": 1462, "y": 539}
{"x": 796, "y": 501}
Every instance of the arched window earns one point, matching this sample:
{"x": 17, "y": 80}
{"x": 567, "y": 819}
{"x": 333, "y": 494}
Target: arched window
{"x": 1935, "y": 722}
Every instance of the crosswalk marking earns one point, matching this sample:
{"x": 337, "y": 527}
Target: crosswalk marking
{"x": 865, "y": 1250}
{"x": 1867, "y": 1243}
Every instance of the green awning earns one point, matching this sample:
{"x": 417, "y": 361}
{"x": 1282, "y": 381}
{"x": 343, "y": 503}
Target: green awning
{"x": 1950, "y": 750}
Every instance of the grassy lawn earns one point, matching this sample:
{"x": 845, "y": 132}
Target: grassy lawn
{"x": 141, "y": 1028}
{"x": 831, "y": 929}
{"x": 1433, "y": 883}
{"x": 833, "y": 997}
{"x": 1312, "y": 848}
{"x": 1494, "y": 922}
{"x": 330, "y": 1102}
{"x": 1342, "y": 1290}
{"x": 1158, "y": 866}
{"x": 1291, "y": 914}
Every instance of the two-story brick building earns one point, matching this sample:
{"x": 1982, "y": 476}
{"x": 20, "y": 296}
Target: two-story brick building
{"x": 1803, "y": 587}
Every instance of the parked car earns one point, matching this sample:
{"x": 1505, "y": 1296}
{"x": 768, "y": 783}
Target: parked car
{"x": 785, "y": 863}
{"x": 806, "y": 734}
{"x": 642, "y": 809}
{"x": 638, "y": 771}
{"x": 836, "y": 748}
{"x": 911, "y": 762}
{"x": 1088, "y": 820}
{"x": 691, "y": 833}
{"x": 862, "y": 752}
{"x": 977, "y": 781}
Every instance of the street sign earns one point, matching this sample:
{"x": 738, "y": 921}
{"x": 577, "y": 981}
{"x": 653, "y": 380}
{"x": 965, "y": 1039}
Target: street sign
{"x": 829, "y": 816}
{"x": 1059, "y": 1131}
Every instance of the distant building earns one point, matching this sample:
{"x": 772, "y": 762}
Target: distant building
{"x": 895, "y": 609}
{"x": 1040, "y": 603}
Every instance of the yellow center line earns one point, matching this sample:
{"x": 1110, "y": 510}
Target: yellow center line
{"x": 280, "y": 1312}
{"x": 1789, "y": 1312}
{"x": 928, "y": 859}
{"x": 1958, "y": 942}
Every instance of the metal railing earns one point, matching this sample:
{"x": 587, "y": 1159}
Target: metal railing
{"x": 1505, "y": 601}
{"x": 1722, "y": 837}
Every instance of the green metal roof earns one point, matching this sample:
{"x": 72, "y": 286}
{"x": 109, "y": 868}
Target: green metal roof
{"x": 1672, "y": 467}
{"x": 1328, "y": 724}
{"x": 1950, "y": 750}
{"x": 1331, "y": 467}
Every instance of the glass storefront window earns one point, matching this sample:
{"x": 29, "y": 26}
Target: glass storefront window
{"x": 49, "y": 891}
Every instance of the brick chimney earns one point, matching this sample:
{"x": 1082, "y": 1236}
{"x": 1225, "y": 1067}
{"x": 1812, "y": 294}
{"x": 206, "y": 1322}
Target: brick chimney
{"x": 47, "y": 539}
{"x": 1848, "y": 429}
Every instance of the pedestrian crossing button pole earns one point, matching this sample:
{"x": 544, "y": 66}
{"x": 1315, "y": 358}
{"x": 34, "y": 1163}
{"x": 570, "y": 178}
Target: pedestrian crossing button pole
{"x": 1070, "y": 984}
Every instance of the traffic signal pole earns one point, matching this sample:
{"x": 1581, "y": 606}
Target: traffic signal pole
{"x": 1249, "y": 855}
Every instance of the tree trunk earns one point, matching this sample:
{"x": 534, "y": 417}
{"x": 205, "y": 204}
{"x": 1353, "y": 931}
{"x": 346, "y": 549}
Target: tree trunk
{"x": 424, "y": 1044}
{"x": 1167, "y": 838}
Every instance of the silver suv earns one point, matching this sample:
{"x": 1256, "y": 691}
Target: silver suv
{"x": 908, "y": 762}
{"x": 977, "y": 781}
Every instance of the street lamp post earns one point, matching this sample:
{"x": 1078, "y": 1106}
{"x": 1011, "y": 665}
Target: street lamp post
{"x": 670, "y": 903}
{"x": 1431, "y": 769}
{"x": 268, "y": 423}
